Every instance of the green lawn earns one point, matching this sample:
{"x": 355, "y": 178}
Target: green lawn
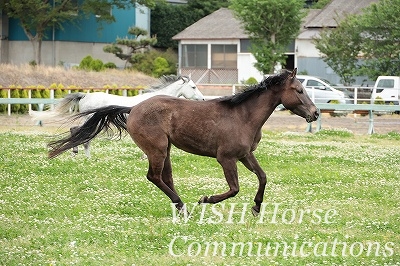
{"x": 332, "y": 199}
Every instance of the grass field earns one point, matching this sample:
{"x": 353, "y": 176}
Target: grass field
{"x": 332, "y": 198}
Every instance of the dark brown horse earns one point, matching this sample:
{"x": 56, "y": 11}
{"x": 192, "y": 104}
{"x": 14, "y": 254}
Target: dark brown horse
{"x": 227, "y": 129}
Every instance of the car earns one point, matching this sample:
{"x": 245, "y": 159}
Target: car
{"x": 387, "y": 89}
{"x": 321, "y": 91}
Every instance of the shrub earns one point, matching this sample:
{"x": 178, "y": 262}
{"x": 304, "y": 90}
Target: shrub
{"x": 160, "y": 67}
{"x": 88, "y": 63}
{"x": 35, "y": 93}
{"x": 96, "y": 65}
{"x": 15, "y": 107}
{"x": 251, "y": 81}
{"x": 132, "y": 92}
{"x": 23, "y": 109}
{"x": 110, "y": 65}
{"x": 144, "y": 62}
{"x": 85, "y": 63}
{"x": 3, "y": 94}
{"x": 58, "y": 93}
{"x": 116, "y": 92}
{"x": 379, "y": 100}
{"x": 45, "y": 93}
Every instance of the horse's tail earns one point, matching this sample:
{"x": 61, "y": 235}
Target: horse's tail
{"x": 102, "y": 118}
{"x": 64, "y": 106}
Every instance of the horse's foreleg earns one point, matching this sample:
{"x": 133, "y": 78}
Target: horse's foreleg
{"x": 231, "y": 176}
{"x": 252, "y": 164}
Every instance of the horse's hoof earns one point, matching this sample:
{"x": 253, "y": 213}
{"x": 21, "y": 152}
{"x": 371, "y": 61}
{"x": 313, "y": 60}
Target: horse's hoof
{"x": 183, "y": 212}
{"x": 254, "y": 211}
{"x": 203, "y": 200}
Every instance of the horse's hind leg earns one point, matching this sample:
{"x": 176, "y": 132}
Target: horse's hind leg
{"x": 252, "y": 164}
{"x": 72, "y": 131}
{"x": 86, "y": 145}
{"x": 155, "y": 175}
{"x": 160, "y": 172}
{"x": 231, "y": 176}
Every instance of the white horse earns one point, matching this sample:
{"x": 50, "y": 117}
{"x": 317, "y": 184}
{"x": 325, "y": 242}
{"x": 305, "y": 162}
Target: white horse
{"x": 79, "y": 102}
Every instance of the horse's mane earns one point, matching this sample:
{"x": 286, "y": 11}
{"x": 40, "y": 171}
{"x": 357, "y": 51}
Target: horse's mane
{"x": 164, "y": 82}
{"x": 277, "y": 79}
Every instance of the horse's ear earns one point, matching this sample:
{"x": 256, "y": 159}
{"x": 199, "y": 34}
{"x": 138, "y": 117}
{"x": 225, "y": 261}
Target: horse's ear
{"x": 294, "y": 72}
{"x": 185, "y": 79}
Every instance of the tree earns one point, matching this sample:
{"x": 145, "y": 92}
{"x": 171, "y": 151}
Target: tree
{"x": 272, "y": 25}
{"x": 372, "y": 36}
{"x": 36, "y": 17}
{"x": 340, "y": 48}
{"x": 319, "y": 3}
{"x": 168, "y": 19}
{"x": 202, "y": 8}
{"x": 134, "y": 45}
{"x": 380, "y": 39}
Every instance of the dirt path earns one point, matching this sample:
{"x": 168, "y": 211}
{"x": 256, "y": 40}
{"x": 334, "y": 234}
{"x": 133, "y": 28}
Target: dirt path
{"x": 25, "y": 123}
{"x": 279, "y": 121}
{"x": 284, "y": 121}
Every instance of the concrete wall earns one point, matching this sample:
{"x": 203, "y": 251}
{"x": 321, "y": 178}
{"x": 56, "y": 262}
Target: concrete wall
{"x": 246, "y": 67}
{"x": 72, "y": 43}
{"x": 3, "y": 38}
{"x": 21, "y": 52}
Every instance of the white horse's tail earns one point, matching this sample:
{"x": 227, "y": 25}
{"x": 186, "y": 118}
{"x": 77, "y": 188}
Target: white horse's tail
{"x": 64, "y": 106}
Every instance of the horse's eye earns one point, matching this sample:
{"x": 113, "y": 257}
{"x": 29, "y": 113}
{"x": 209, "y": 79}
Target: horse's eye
{"x": 299, "y": 90}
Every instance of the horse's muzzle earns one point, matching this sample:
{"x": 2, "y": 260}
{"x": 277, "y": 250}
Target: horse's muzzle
{"x": 316, "y": 114}
{"x": 313, "y": 117}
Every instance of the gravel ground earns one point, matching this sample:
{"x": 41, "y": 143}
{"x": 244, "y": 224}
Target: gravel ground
{"x": 281, "y": 121}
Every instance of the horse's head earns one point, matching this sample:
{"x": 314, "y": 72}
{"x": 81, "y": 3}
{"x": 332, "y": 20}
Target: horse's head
{"x": 189, "y": 90}
{"x": 295, "y": 98}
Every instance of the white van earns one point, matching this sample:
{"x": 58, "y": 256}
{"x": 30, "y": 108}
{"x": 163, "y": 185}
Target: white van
{"x": 321, "y": 91}
{"x": 388, "y": 89}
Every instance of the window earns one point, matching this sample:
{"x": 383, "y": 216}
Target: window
{"x": 290, "y": 48}
{"x": 317, "y": 85}
{"x": 224, "y": 56}
{"x": 386, "y": 83}
{"x": 194, "y": 55}
{"x": 245, "y": 46}
{"x": 314, "y": 83}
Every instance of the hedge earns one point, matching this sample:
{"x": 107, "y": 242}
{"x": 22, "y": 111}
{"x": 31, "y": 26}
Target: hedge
{"x": 42, "y": 92}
